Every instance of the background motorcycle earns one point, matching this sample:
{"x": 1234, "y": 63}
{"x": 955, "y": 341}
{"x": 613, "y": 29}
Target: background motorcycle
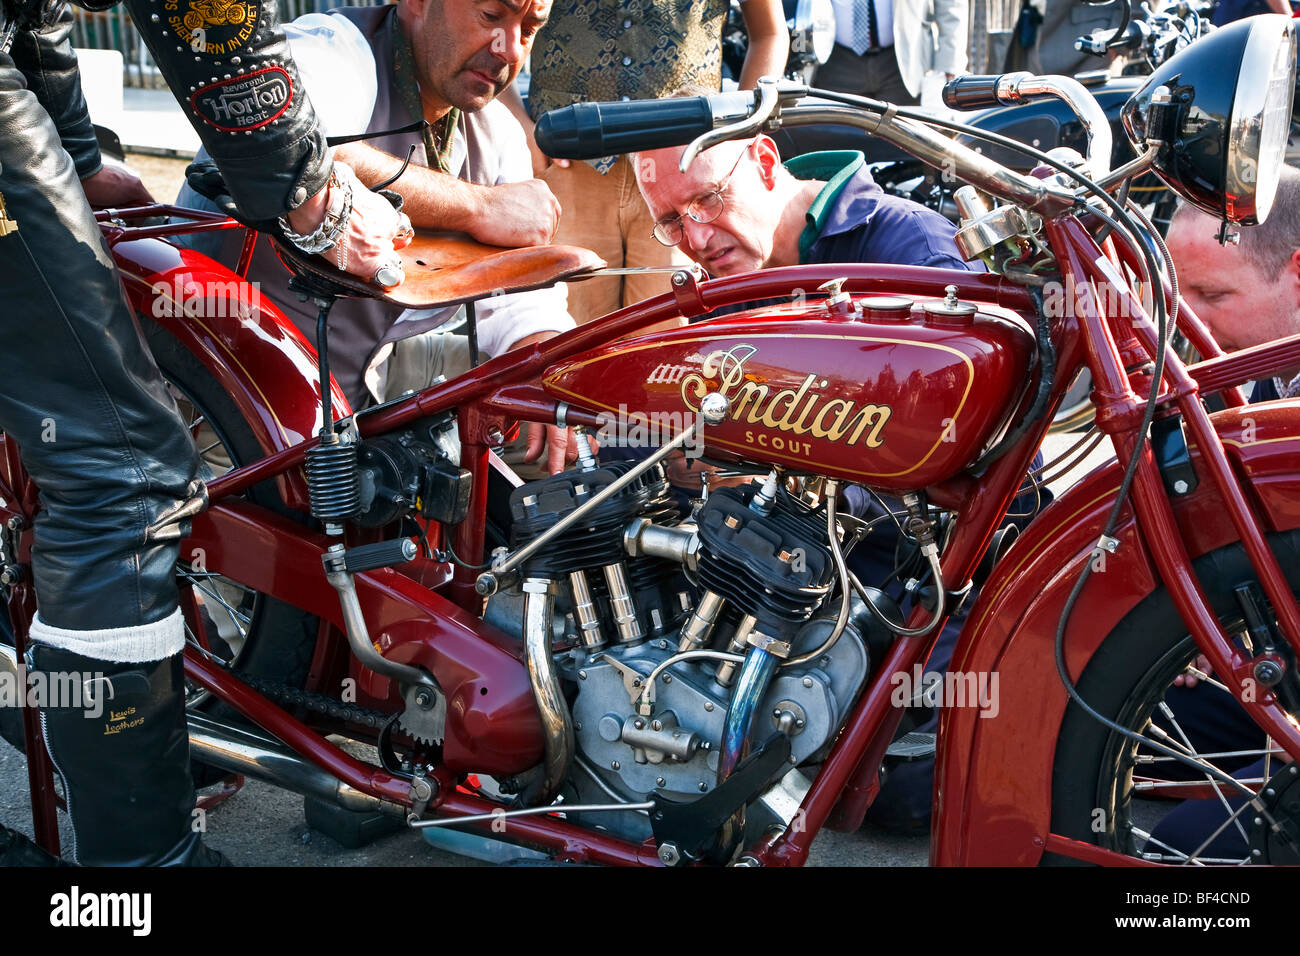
{"x": 451, "y": 701}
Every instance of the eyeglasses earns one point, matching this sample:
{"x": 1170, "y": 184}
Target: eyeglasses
{"x": 703, "y": 210}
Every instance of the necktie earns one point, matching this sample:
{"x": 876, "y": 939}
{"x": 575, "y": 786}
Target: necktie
{"x": 864, "y": 27}
{"x": 438, "y": 137}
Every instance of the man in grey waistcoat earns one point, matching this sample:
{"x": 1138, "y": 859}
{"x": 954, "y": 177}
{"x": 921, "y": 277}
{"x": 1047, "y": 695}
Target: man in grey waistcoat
{"x": 371, "y": 69}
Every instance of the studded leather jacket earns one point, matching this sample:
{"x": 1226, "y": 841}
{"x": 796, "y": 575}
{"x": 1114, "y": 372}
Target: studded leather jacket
{"x": 228, "y": 64}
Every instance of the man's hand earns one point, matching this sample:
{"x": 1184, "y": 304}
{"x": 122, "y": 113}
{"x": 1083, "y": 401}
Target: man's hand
{"x": 116, "y": 186}
{"x": 516, "y": 214}
{"x": 560, "y": 444}
{"x": 372, "y": 233}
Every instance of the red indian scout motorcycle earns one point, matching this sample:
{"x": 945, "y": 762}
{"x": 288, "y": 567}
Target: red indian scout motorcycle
{"x": 718, "y": 688}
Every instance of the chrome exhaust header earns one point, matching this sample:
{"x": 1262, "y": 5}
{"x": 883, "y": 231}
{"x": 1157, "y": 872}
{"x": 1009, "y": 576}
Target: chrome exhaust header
{"x": 246, "y": 752}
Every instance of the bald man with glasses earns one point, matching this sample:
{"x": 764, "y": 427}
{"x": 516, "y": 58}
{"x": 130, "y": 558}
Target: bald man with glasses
{"x": 739, "y": 208}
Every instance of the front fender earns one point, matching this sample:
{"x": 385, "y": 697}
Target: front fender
{"x": 257, "y": 355}
{"x": 993, "y": 776}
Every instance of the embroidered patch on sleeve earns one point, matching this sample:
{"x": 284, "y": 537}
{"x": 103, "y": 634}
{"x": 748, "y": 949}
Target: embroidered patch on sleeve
{"x": 244, "y": 103}
{"x": 214, "y": 27}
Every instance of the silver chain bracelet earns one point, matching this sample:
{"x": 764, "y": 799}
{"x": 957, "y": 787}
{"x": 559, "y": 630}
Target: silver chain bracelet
{"x": 326, "y": 235}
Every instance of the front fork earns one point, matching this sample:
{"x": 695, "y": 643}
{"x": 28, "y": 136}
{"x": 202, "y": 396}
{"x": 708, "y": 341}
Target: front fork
{"x": 1120, "y": 414}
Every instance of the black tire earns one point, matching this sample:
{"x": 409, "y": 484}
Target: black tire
{"x": 1093, "y": 799}
{"x": 280, "y": 638}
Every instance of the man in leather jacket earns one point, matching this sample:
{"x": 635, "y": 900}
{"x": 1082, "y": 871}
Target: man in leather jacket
{"x": 83, "y": 399}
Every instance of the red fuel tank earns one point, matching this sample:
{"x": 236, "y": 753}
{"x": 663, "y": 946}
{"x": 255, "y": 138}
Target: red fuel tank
{"x": 891, "y": 395}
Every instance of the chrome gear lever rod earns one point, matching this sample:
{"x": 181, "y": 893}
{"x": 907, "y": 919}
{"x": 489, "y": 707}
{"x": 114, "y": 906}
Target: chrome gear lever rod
{"x": 713, "y": 411}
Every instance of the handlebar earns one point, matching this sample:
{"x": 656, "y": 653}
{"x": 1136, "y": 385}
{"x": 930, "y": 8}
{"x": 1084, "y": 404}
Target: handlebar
{"x": 1010, "y": 89}
{"x": 592, "y": 130}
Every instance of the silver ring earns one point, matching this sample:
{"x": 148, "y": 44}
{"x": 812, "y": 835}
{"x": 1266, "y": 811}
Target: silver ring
{"x": 390, "y": 274}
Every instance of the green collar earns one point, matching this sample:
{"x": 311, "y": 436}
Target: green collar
{"x": 837, "y": 167}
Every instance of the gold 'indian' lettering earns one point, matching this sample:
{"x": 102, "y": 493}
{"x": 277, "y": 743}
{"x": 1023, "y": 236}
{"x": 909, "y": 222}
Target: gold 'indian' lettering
{"x": 797, "y": 411}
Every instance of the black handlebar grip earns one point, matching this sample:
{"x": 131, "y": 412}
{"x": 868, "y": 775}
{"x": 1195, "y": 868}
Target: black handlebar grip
{"x": 384, "y": 554}
{"x": 972, "y": 92}
{"x": 593, "y": 130}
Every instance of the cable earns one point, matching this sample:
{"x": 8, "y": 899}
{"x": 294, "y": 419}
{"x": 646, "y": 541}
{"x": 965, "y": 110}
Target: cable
{"x": 1123, "y": 217}
{"x": 470, "y": 567}
{"x": 1123, "y": 198}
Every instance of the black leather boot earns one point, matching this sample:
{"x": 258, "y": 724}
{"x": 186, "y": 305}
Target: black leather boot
{"x": 122, "y": 751}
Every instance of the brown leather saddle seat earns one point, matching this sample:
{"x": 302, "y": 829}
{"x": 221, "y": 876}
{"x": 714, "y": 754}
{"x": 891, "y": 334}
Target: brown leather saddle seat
{"x": 444, "y": 268}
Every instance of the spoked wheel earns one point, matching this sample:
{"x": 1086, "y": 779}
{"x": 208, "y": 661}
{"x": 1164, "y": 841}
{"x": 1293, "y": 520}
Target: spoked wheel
{"x": 251, "y": 632}
{"x": 1125, "y": 795}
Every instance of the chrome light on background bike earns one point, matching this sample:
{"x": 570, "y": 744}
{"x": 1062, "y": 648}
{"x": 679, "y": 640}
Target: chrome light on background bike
{"x": 814, "y": 24}
{"x": 1220, "y": 112}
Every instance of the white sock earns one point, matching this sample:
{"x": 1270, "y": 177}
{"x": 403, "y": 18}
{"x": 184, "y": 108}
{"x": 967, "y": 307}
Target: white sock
{"x": 117, "y": 645}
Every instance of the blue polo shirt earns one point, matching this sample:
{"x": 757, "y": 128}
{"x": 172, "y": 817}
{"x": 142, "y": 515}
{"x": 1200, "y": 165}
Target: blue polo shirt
{"x": 853, "y": 220}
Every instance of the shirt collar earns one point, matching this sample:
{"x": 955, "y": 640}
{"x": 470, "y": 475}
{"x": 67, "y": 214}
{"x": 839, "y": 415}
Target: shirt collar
{"x": 828, "y": 215}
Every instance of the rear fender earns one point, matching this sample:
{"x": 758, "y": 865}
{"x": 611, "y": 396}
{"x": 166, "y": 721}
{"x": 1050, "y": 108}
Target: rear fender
{"x": 993, "y": 777}
{"x": 257, "y": 355}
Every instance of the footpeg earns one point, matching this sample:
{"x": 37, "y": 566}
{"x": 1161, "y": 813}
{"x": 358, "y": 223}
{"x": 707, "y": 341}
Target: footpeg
{"x": 914, "y": 745}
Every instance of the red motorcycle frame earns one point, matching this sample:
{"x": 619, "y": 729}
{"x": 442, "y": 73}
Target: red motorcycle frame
{"x": 988, "y": 810}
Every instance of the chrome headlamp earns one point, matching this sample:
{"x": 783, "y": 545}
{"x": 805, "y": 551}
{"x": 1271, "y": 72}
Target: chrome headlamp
{"x": 1220, "y": 113}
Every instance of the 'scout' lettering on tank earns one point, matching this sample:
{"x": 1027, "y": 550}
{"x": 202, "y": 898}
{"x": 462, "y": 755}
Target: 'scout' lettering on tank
{"x": 801, "y": 411}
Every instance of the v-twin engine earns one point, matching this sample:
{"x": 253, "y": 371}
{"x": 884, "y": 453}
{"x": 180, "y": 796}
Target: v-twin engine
{"x": 670, "y": 637}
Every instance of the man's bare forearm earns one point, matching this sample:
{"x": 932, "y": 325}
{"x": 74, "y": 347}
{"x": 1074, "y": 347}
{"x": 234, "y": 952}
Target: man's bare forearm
{"x": 769, "y": 41}
{"x": 433, "y": 200}
{"x": 508, "y": 214}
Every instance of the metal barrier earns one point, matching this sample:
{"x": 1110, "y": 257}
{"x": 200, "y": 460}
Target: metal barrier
{"x": 113, "y": 30}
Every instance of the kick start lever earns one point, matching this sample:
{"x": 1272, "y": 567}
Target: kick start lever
{"x": 340, "y": 565}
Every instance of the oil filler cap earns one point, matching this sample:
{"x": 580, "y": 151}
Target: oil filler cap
{"x": 838, "y": 302}
{"x": 950, "y": 310}
{"x": 887, "y": 308}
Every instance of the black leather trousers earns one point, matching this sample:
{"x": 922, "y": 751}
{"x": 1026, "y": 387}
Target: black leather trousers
{"x": 80, "y": 392}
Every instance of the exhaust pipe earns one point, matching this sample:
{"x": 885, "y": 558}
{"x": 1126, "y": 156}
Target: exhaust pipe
{"x": 242, "y": 751}
{"x": 239, "y": 750}
{"x": 557, "y": 723}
